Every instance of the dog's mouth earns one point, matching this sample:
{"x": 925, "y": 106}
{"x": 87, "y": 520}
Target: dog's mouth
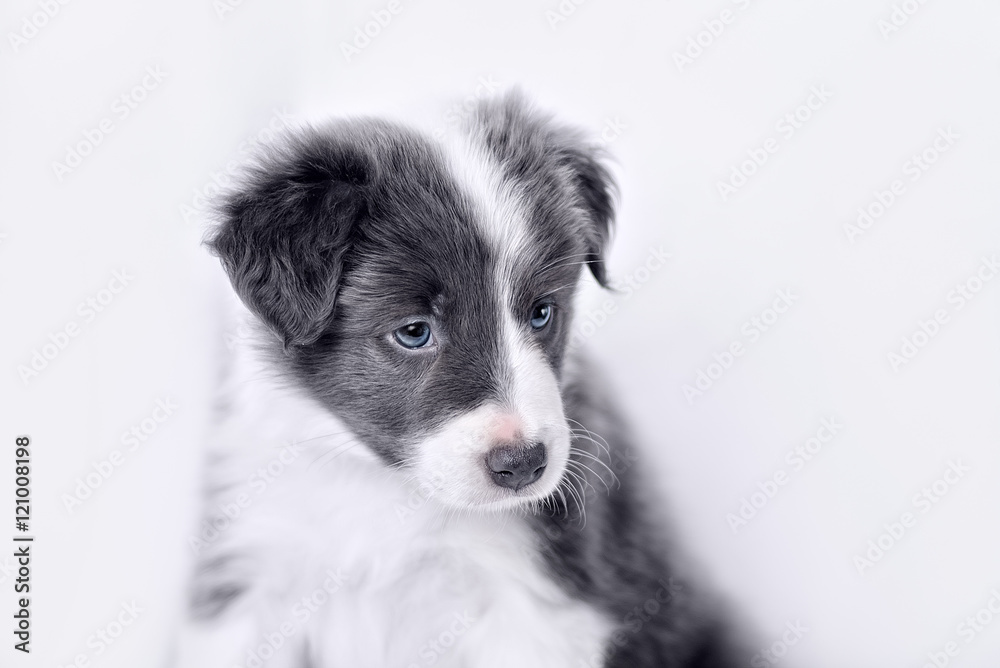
{"x": 488, "y": 496}
{"x": 460, "y": 473}
{"x": 524, "y": 498}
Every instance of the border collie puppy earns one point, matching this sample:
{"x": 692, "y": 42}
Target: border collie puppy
{"x": 409, "y": 467}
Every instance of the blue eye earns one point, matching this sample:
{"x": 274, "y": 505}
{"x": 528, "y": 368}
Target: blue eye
{"x": 541, "y": 315}
{"x": 414, "y": 335}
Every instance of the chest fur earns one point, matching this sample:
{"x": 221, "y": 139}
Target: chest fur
{"x": 342, "y": 561}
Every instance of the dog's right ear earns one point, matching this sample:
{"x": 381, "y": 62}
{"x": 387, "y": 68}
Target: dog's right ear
{"x": 284, "y": 232}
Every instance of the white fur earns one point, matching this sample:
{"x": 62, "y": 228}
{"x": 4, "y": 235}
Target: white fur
{"x": 408, "y": 569}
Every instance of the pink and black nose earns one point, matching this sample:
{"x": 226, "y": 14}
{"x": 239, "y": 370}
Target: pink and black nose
{"x": 515, "y": 466}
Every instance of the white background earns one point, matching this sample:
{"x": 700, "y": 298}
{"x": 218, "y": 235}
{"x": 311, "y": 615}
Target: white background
{"x": 681, "y": 130}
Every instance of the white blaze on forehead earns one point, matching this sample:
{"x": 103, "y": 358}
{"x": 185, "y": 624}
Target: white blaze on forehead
{"x": 501, "y": 215}
{"x": 498, "y": 207}
{"x": 530, "y": 405}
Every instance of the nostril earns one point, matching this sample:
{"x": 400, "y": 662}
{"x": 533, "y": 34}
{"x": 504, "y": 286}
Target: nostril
{"x": 515, "y": 467}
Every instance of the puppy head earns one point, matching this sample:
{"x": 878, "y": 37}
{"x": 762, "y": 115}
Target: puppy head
{"x": 423, "y": 293}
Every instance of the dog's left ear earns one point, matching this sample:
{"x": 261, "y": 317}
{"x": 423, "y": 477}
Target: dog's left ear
{"x": 596, "y": 191}
{"x": 533, "y": 146}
